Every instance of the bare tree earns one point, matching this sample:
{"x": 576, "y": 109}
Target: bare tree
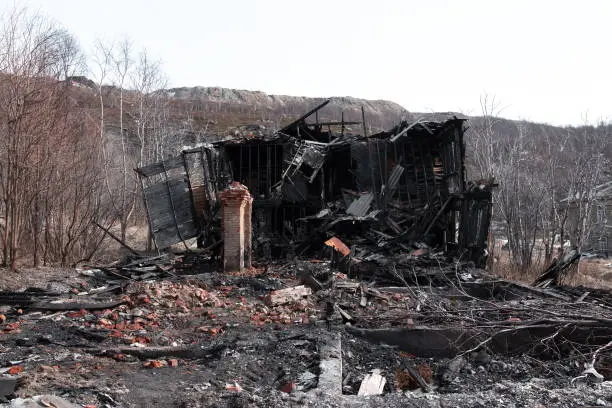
{"x": 542, "y": 171}
{"x": 28, "y": 61}
{"x": 589, "y": 167}
{"x": 125, "y": 199}
{"x": 147, "y": 79}
{"x": 39, "y": 134}
{"x": 141, "y": 116}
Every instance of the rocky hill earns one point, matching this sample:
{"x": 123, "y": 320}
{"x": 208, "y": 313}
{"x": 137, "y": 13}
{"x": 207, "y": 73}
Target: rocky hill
{"x": 241, "y": 107}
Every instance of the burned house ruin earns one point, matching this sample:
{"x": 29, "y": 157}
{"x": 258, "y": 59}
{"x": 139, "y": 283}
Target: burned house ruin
{"x": 393, "y": 191}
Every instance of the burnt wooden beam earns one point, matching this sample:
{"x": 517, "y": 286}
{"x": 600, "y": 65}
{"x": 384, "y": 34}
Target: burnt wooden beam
{"x": 113, "y": 236}
{"x": 303, "y": 117}
{"x": 150, "y": 235}
{"x": 438, "y": 214}
{"x": 369, "y": 145}
{"x": 86, "y": 304}
{"x": 341, "y": 123}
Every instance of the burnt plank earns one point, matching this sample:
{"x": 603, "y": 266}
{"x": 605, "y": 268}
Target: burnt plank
{"x": 158, "y": 168}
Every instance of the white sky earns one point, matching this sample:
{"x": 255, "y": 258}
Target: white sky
{"x": 546, "y": 61}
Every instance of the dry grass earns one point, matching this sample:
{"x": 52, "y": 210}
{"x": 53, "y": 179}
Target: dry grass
{"x": 108, "y": 251}
{"x": 111, "y": 250}
{"x": 592, "y": 273}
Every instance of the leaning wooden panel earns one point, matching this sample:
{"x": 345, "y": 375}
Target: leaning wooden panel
{"x": 169, "y": 203}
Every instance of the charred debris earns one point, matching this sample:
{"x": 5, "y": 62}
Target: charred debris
{"x": 385, "y": 197}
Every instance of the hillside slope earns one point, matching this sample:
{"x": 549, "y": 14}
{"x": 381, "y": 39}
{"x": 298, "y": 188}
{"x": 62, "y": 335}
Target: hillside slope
{"x": 231, "y": 107}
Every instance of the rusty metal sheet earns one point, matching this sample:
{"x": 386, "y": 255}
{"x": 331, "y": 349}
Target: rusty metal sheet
{"x": 360, "y": 206}
{"x": 338, "y": 246}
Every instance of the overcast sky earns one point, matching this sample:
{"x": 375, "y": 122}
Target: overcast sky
{"x": 546, "y": 61}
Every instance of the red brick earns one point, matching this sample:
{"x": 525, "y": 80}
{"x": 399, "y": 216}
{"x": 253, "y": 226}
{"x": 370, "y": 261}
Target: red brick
{"x": 236, "y": 216}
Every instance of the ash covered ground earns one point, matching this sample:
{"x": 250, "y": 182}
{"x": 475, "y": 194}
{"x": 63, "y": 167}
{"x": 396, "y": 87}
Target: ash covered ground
{"x": 460, "y": 338}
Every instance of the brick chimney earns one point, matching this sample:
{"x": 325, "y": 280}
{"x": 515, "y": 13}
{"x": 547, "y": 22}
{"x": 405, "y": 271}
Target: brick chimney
{"x": 236, "y": 218}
